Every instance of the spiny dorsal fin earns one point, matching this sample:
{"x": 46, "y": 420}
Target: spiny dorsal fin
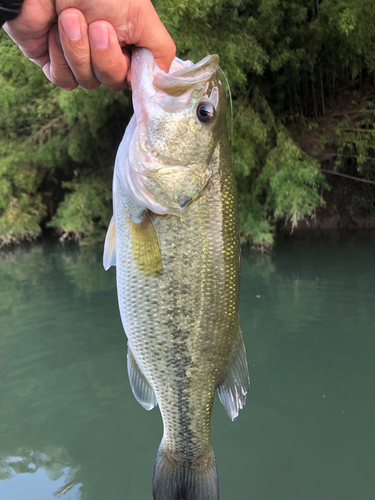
{"x": 145, "y": 245}
{"x": 235, "y": 383}
{"x": 109, "y": 256}
{"x": 142, "y": 390}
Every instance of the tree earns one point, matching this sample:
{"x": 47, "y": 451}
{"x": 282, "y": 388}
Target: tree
{"x": 284, "y": 59}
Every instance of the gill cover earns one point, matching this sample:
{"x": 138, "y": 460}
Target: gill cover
{"x": 163, "y": 162}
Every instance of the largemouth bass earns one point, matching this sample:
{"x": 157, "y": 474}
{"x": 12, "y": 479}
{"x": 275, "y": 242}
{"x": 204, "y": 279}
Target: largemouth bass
{"x": 174, "y": 240}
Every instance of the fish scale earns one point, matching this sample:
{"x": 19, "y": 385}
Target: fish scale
{"x": 180, "y": 315}
{"x": 165, "y": 325}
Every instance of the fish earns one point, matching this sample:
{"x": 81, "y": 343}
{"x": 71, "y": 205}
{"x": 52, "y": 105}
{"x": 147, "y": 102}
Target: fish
{"x": 174, "y": 239}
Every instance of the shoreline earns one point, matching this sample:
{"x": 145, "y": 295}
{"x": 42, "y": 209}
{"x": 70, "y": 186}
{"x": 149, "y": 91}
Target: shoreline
{"x": 334, "y": 223}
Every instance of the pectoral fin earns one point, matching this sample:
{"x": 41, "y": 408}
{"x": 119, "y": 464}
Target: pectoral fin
{"x": 109, "y": 256}
{"x": 235, "y": 383}
{"x": 145, "y": 245}
{"x": 142, "y": 390}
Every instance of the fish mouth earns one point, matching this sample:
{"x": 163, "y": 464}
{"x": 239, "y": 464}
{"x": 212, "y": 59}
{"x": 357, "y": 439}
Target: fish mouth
{"x": 183, "y": 76}
{"x": 178, "y": 82}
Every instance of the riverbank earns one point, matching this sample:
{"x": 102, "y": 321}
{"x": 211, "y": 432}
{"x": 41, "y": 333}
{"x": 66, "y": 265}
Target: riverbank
{"x": 349, "y": 204}
{"x": 347, "y": 164}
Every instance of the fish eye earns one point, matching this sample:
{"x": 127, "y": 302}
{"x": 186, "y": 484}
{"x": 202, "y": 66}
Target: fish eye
{"x": 205, "y": 112}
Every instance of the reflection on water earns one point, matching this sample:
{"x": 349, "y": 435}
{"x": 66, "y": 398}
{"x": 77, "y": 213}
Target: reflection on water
{"x": 55, "y": 462}
{"x": 70, "y": 427}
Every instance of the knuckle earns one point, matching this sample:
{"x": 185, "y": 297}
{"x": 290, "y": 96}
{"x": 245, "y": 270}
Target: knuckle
{"x": 117, "y": 87}
{"x": 70, "y": 88}
{"x": 172, "y": 53}
{"x": 62, "y": 80}
{"x": 90, "y": 85}
{"x": 110, "y": 76}
{"x": 78, "y": 57}
{"x": 112, "y": 73}
{"x": 55, "y": 80}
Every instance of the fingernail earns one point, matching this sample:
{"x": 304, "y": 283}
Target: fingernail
{"x": 71, "y": 27}
{"x": 99, "y": 35}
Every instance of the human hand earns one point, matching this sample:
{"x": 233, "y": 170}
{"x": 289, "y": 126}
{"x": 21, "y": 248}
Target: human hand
{"x": 96, "y": 41}
{"x": 31, "y": 27}
{"x": 90, "y": 45}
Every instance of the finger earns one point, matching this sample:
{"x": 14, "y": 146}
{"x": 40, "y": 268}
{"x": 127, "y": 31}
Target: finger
{"x": 57, "y": 69}
{"x": 29, "y": 30}
{"x": 36, "y": 49}
{"x": 156, "y": 38}
{"x": 73, "y": 32}
{"x": 109, "y": 62}
{"x": 135, "y": 22}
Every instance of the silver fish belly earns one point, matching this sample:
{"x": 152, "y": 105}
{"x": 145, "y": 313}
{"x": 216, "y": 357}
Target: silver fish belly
{"x": 175, "y": 244}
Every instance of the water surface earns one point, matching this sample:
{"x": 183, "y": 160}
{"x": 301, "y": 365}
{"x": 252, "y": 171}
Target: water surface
{"x": 71, "y": 429}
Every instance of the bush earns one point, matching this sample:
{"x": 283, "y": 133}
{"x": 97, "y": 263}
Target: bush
{"x": 284, "y": 59}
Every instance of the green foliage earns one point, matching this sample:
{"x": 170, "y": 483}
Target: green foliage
{"x": 21, "y": 219}
{"x": 366, "y": 204}
{"x": 283, "y": 182}
{"x": 284, "y": 59}
{"x": 47, "y": 133}
{"x": 291, "y": 180}
{"x": 86, "y": 210}
{"x": 356, "y": 139}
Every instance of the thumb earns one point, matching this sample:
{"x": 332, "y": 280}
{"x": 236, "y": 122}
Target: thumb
{"x": 155, "y": 37}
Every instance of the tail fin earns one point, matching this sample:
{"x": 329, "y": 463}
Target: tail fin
{"x": 174, "y": 481}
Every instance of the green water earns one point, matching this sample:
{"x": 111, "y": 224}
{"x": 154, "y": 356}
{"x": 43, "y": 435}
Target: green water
{"x": 71, "y": 429}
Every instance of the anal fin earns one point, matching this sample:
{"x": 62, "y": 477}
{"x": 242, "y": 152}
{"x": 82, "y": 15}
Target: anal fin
{"x": 235, "y": 383}
{"x": 142, "y": 390}
{"x": 109, "y": 256}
